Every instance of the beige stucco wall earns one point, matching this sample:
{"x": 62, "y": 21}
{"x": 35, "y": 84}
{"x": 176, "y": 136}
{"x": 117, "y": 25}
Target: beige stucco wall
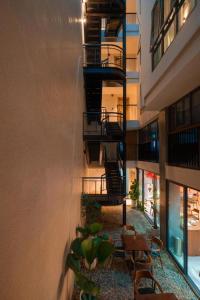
{"x": 41, "y": 104}
{"x": 148, "y": 166}
{"x": 184, "y": 176}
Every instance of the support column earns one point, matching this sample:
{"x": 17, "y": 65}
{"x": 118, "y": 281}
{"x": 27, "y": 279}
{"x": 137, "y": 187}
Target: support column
{"x": 163, "y": 188}
{"x": 124, "y": 113}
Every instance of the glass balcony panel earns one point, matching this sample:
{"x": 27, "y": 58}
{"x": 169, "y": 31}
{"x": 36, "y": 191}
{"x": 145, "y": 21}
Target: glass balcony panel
{"x": 169, "y": 36}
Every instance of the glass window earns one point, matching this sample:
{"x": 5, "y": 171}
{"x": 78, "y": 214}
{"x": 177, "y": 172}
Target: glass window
{"x": 172, "y": 117}
{"x": 179, "y": 114}
{"x": 157, "y": 56}
{"x": 194, "y": 236}
{"x": 140, "y": 174}
{"x": 176, "y": 222}
{"x": 196, "y": 106}
{"x": 156, "y": 20}
{"x": 185, "y": 10}
{"x": 183, "y": 112}
{"x": 152, "y": 197}
{"x": 169, "y": 36}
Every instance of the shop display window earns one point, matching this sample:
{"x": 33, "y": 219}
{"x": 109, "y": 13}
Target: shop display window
{"x": 152, "y": 197}
{"x": 176, "y": 222}
{"x": 140, "y": 179}
{"x": 193, "y": 231}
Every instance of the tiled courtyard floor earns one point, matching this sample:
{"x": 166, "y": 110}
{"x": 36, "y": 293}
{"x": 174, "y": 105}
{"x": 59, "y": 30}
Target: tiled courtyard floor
{"x": 116, "y": 283}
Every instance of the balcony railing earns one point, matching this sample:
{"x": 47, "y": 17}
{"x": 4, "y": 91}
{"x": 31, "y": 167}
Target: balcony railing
{"x": 184, "y": 148}
{"x": 102, "y": 55}
{"x": 94, "y": 185}
{"x": 97, "y": 185}
{"x": 131, "y": 111}
{"x": 96, "y": 123}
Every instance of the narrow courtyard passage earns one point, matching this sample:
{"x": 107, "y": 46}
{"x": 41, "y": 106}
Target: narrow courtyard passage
{"x": 117, "y": 281}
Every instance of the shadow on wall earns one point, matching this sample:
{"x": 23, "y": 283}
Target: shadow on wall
{"x": 64, "y": 272}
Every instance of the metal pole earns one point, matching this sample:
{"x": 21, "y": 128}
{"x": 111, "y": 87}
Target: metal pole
{"x": 124, "y": 114}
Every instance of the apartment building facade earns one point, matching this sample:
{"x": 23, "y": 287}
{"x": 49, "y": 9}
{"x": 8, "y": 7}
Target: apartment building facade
{"x": 169, "y": 153}
{"x": 111, "y": 74}
{"x": 112, "y": 92}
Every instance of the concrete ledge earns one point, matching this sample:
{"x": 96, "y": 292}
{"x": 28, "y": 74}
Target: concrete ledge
{"x": 184, "y": 176}
{"x": 149, "y": 166}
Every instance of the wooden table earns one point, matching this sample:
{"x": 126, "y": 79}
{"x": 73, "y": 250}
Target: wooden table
{"x": 135, "y": 243}
{"x": 164, "y": 296}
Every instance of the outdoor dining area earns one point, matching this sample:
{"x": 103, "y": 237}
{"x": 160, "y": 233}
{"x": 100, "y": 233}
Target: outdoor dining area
{"x": 142, "y": 252}
{"x": 128, "y": 262}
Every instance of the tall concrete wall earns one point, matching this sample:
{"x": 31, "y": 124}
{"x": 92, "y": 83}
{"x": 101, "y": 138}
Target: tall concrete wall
{"x": 41, "y": 104}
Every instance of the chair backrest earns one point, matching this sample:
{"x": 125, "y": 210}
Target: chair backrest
{"x": 146, "y": 264}
{"x": 155, "y": 240}
{"x": 144, "y": 274}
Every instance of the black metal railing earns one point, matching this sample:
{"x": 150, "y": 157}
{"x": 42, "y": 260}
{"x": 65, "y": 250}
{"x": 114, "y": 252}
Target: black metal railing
{"x": 102, "y": 55}
{"x": 105, "y": 7}
{"x": 94, "y": 185}
{"x": 176, "y": 18}
{"x": 131, "y": 111}
{"x": 96, "y": 123}
{"x": 184, "y": 148}
{"x": 98, "y": 185}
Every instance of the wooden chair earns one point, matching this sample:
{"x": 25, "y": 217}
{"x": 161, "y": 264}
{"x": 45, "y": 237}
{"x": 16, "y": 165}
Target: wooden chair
{"x": 156, "y": 248}
{"x": 146, "y": 263}
{"x": 129, "y": 227}
{"x": 145, "y": 275}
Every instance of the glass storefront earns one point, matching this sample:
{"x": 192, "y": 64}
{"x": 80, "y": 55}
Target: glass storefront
{"x": 176, "y": 222}
{"x": 193, "y": 232}
{"x": 149, "y": 187}
{"x": 184, "y": 229}
{"x": 152, "y": 196}
{"x": 140, "y": 181}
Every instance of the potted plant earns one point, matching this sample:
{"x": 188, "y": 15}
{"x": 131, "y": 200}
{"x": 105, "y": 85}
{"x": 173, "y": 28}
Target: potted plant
{"x": 134, "y": 193}
{"x": 89, "y": 250}
{"x": 91, "y": 210}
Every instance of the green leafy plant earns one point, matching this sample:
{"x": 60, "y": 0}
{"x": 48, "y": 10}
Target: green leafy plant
{"x": 134, "y": 192}
{"x": 91, "y": 210}
{"x": 90, "y": 249}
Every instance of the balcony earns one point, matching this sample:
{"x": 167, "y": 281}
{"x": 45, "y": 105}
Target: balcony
{"x": 132, "y": 69}
{"x": 97, "y": 189}
{"x": 101, "y": 8}
{"x": 131, "y": 115}
{"x": 132, "y": 24}
{"x": 184, "y": 149}
{"x": 102, "y": 126}
{"x": 103, "y": 62}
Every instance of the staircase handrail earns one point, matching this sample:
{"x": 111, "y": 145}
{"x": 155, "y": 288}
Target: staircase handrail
{"x": 106, "y": 61}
